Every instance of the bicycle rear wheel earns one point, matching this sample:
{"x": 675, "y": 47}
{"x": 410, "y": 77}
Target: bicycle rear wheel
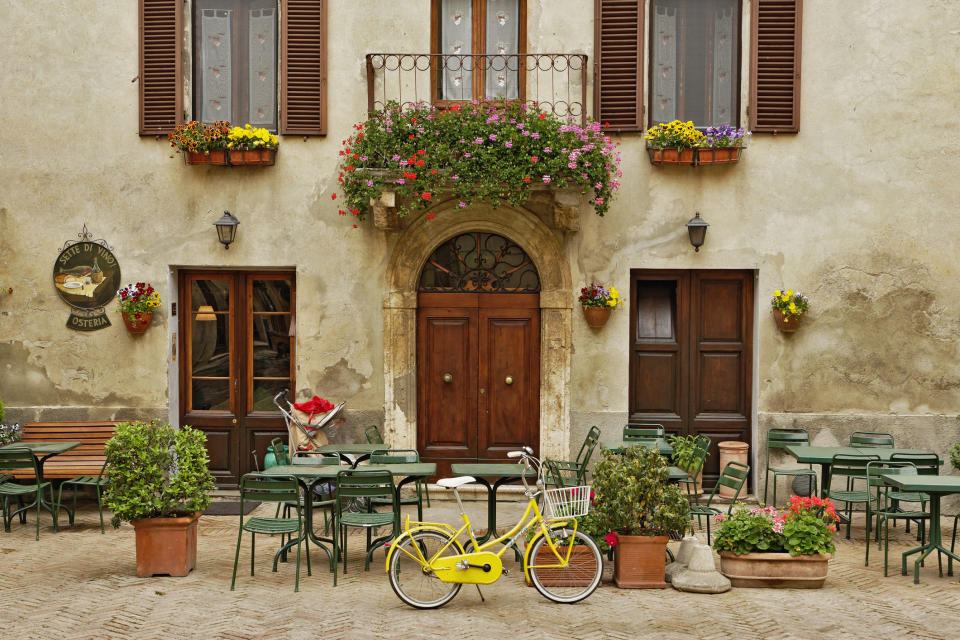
{"x": 573, "y": 582}
{"x": 411, "y": 581}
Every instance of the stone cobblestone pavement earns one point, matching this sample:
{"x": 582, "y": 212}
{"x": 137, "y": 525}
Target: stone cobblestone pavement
{"x": 79, "y": 584}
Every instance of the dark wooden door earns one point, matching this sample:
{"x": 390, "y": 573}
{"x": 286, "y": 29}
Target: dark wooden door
{"x": 236, "y": 342}
{"x": 478, "y": 376}
{"x": 691, "y": 354}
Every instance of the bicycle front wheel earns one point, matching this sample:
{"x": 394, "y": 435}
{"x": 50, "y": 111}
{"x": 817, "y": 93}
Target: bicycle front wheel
{"x": 414, "y": 583}
{"x": 573, "y": 582}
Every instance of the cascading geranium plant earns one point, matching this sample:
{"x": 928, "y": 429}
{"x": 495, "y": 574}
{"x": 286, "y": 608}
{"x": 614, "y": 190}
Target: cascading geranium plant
{"x": 806, "y": 527}
{"x": 492, "y": 151}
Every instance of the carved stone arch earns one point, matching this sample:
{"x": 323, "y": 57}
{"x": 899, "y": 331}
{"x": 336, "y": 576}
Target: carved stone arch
{"x": 414, "y": 246}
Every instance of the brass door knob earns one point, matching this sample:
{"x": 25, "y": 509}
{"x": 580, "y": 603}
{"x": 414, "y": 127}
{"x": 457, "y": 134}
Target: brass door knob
{"x": 234, "y": 421}
{"x": 447, "y": 377}
{"x": 508, "y": 379}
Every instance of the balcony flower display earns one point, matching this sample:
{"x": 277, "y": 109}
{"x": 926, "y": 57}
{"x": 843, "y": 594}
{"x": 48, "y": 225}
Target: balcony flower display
{"x": 492, "y": 151}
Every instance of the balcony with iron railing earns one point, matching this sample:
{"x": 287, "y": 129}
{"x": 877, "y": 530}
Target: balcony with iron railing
{"x": 556, "y": 82}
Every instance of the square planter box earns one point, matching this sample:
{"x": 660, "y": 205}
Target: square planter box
{"x": 166, "y": 546}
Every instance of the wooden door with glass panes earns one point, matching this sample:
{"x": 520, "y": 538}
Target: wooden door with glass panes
{"x": 236, "y": 344}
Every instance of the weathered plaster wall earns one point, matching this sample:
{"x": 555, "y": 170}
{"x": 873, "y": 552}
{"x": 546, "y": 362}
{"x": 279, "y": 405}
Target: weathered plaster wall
{"x": 858, "y": 211}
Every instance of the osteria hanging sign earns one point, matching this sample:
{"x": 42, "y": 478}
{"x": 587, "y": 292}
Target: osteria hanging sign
{"x": 86, "y": 276}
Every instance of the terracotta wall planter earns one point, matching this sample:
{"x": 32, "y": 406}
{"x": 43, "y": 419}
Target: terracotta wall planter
{"x": 218, "y": 157}
{"x": 786, "y": 323}
{"x": 672, "y": 156}
{"x": 596, "y": 316}
{"x": 137, "y": 325}
{"x": 580, "y": 556}
{"x": 720, "y": 155}
{"x": 640, "y": 562}
{"x": 774, "y": 570}
{"x": 252, "y": 157}
{"x": 166, "y": 545}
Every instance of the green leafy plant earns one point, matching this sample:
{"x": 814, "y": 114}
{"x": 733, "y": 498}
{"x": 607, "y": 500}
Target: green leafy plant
{"x": 685, "y": 450}
{"x": 156, "y": 471}
{"x": 633, "y": 496}
{"x": 805, "y": 528}
{"x": 492, "y": 151}
{"x": 954, "y": 450}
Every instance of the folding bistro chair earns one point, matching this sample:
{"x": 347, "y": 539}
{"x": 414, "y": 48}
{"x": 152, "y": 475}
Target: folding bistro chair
{"x": 12, "y": 458}
{"x": 733, "y": 476}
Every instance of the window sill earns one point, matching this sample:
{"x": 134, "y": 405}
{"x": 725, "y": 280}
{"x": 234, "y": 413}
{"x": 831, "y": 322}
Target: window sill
{"x": 671, "y": 156}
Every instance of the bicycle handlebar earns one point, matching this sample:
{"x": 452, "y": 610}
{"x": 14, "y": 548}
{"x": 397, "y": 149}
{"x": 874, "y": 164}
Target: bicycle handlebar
{"x": 529, "y": 462}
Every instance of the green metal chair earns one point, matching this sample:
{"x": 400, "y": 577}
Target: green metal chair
{"x": 643, "y": 431}
{"x": 322, "y": 501}
{"x": 927, "y": 464}
{"x": 853, "y": 469}
{"x": 573, "y": 473}
{"x": 98, "y": 482}
{"x": 867, "y": 439}
{"x": 733, "y": 476}
{"x": 781, "y": 438}
{"x": 400, "y": 456}
{"x": 13, "y": 458}
{"x": 369, "y": 484}
{"x": 888, "y": 508}
{"x": 694, "y": 469}
{"x": 373, "y": 435}
{"x": 264, "y": 488}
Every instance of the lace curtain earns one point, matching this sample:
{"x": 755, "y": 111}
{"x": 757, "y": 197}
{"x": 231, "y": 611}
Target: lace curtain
{"x": 456, "y": 37}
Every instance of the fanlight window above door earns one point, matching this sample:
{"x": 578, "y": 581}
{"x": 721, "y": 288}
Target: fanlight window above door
{"x": 478, "y": 262}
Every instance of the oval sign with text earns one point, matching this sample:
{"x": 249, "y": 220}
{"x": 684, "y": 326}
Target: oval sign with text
{"x": 86, "y": 275}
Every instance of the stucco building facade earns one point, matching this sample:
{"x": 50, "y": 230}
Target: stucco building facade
{"x": 856, "y": 210}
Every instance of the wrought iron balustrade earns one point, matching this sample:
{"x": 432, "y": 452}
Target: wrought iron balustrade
{"x": 557, "y": 82}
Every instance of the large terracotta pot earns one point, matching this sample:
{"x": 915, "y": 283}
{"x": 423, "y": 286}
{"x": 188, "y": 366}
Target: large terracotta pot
{"x": 580, "y": 556}
{"x": 137, "y": 325}
{"x": 596, "y": 316}
{"x": 639, "y": 562}
{"x": 166, "y": 545}
{"x": 786, "y": 323}
{"x": 774, "y": 570}
{"x": 672, "y": 156}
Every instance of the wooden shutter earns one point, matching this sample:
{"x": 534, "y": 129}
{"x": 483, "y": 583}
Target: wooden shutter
{"x": 161, "y": 66}
{"x": 775, "y": 66}
{"x": 618, "y": 63}
{"x": 303, "y": 67}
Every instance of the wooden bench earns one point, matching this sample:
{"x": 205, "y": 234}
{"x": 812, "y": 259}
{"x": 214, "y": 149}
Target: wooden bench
{"x": 87, "y": 459}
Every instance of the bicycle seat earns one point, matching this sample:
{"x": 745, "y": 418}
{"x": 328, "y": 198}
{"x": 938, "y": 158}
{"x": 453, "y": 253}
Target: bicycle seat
{"x": 453, "y": 483}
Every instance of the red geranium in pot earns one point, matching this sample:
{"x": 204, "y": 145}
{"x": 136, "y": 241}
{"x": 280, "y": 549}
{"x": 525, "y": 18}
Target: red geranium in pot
{"x": 137, "y": 304}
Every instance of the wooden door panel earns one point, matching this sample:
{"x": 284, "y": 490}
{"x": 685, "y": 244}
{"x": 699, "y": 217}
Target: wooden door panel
{"x": 222, "y": 450}
{"x": 719, "y": 384}
{"x": 446, "y": 408}
{"x": 508, "y": 409}
{"x": 722, "y": 300}
{"x": 655, "y": 383}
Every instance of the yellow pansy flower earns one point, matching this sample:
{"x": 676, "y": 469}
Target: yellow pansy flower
{"x": 777, "y": 293}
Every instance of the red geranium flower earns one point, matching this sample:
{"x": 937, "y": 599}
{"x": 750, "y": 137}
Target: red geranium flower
{"x": 611, "y": 537}
{"x": 427, "y": 196}
{"x": 431, "y": 216}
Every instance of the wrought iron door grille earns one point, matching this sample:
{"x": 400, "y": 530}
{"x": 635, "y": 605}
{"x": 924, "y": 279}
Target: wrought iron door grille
{"x": 478, "y": 262}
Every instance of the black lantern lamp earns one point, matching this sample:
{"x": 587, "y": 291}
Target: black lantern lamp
{"x": 226, "y": 229}
{"x": 697, "y": 228}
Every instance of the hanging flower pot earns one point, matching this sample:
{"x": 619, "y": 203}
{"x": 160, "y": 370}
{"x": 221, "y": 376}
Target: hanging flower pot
{"x": 596, "y": 316}
{"x": 137, "y": 322}
{"x": 786, "y": 323}
{"x": 788, "y": 309}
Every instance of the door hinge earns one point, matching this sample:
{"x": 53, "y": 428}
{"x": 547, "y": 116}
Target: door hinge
{"x": 173, "y": 347}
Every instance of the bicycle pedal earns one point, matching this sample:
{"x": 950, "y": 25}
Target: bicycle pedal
{"x": 505, "y": 572}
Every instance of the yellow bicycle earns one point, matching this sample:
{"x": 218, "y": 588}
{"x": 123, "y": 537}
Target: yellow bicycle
{"x": 427, "y": 564}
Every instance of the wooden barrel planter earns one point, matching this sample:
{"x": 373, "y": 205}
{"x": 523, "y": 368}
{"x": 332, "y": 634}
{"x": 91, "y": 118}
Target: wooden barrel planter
{"x": 776, "y": 570}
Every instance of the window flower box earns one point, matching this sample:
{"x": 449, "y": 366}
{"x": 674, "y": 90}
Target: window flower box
{"x": 718, "y": 155}
{"x": 681, "y": 143}
{"x": 215, "y": 157}
{"x": 252, "y": 157}
{"x": 673, "y": 156}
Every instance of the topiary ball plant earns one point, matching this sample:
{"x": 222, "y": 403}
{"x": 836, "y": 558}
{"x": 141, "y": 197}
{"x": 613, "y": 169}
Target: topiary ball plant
{"x": 156, "y": 471}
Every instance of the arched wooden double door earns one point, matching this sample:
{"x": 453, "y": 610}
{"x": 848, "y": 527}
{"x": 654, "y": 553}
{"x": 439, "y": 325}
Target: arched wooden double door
{"x": 478, "y": 351}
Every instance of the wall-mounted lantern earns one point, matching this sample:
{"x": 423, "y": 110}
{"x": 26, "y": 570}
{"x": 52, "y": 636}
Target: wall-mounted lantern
{"x": 226, "y": 229}
{"x": 697, "y": 228}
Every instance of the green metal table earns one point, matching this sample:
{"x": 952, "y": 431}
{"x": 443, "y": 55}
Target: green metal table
{"x": 618, "y": 446}
{"x": 935, "y": 487}
{"x": 309, "y": 476}
{"x": 823, "y": 456}
{"x": 501, "y": 473}
{"x": 41, "y": 451}
{"x": 362, "y": 451}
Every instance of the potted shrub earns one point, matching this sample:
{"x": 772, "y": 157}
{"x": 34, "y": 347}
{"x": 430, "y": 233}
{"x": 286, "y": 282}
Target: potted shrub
{"x": 673, "y": 143}
{"x": 639, "y": 510}
{"x": 157, "y": 479}
{"x": 597, "y": 301}
{"x": 201, "y": 143}
{"x": 686, "y": 455}
{"x": 767, "y": 547}
{"x": 722, "y": 145}
{"x": 251, "y": 146}
{"x": 788, "y": 308}
{"x": 137, "y": 304}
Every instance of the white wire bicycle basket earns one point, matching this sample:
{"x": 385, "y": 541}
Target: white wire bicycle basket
{"x": 566, "y": 502}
